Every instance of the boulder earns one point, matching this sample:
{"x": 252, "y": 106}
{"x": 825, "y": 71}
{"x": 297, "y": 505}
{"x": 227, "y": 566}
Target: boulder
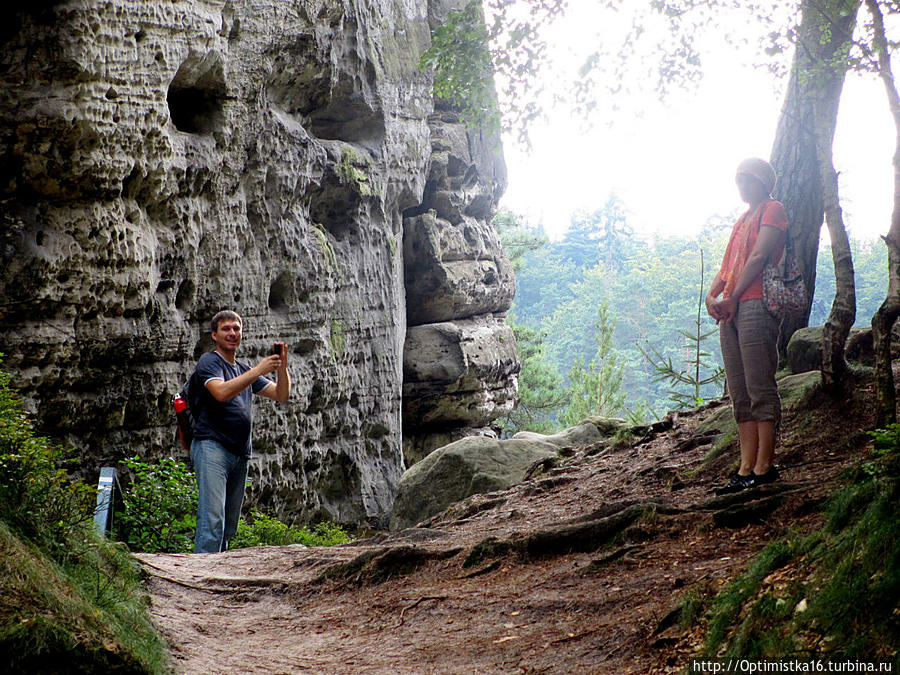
{"x": 607, "y": 426}
{"x": 796, "y": 390}
{"x": 584, "y": 434}
{"x": 804, "y": 350}
{"x": 417, "y": 446}
{"x": 469, "y": 466}
{"x": 459, "y": 373}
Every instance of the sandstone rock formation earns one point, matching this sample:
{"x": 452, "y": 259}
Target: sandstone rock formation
{"x": 461, "y": 362}
{"x": 583, "y": 434}
{"x": 162, "y": 160}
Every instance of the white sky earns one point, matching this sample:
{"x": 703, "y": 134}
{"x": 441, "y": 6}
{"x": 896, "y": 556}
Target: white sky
{"x": 672, "y": 163}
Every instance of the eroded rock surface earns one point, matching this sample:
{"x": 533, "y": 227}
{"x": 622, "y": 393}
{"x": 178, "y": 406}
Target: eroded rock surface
{"x": 160, "y": 161}
{"x": 460, "y": 373}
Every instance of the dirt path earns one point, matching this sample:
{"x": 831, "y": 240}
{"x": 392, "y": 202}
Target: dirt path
{"x": 576, "y": 570}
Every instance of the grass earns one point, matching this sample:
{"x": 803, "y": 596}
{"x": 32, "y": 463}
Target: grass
{"x": 726, "y": 608}
{"x": 263, "y": 530}
{"x": 88, "y": 611}
{"x": 839, "y": 598}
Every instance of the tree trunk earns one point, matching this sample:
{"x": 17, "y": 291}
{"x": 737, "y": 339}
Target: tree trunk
{"x": 882, "y": 327}
{"x": 810, "y": 111}
{"x": 843, "y": 308}
{"x": 883, "y": 321}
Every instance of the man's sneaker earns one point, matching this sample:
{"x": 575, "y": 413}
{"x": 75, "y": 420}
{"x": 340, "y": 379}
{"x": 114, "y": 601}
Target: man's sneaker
{"x": 737, "y": 483}
{"x": 769, "y": 476}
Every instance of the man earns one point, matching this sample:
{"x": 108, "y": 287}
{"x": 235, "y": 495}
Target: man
{"x": 223, "y": 426}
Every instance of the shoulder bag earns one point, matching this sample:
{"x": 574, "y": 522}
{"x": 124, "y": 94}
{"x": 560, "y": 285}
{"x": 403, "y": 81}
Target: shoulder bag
{"x": 784, "y": 291}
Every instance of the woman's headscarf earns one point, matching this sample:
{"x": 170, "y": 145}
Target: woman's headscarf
{"x": 761, "y": 170}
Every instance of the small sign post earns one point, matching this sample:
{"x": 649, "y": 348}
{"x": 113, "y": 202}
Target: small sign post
{"x": 103, "y": 513}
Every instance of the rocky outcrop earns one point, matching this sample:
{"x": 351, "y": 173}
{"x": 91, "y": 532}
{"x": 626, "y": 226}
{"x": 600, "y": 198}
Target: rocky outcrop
{"x": 469, "y": 466}
{"x": 160, "y": 161}
{"x": 584, "y": 434}
{"x": 804, "y": 350}
{"x": 460, "y": 362}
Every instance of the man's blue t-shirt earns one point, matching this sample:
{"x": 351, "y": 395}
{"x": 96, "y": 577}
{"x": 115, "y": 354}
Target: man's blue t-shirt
{"x": 230, "y": 423}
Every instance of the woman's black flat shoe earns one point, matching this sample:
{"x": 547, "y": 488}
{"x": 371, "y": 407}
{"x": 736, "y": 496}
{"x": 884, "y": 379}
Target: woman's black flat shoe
{"x": 737, "y": 483}
{"x": 769, "y": 476}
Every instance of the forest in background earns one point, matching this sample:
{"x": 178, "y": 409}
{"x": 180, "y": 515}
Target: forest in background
{"x": 598, "y": 311}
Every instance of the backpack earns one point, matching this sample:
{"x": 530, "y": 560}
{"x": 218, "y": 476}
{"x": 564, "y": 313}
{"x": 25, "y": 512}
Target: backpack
{"x": 187, "y": 406}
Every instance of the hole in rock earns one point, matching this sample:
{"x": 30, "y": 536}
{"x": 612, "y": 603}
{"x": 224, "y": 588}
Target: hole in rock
{"x": 196, "y": 95}
{"x": 281, "y": 293}
{"x": 331, "y": 103}
{"x": 185, "y": 295}
{"x": 193, "y": 110}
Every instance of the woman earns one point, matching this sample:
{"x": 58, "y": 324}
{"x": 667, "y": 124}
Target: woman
{"x": 748, "y": 333}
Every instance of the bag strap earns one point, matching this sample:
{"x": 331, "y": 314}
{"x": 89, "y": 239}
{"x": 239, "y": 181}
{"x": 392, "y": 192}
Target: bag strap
{"x": 194, "y": 394}
{"x": 788, "y": 246}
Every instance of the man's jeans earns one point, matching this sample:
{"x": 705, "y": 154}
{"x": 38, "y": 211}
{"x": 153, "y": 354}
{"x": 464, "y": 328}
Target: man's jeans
{"x": 221, "y": 477}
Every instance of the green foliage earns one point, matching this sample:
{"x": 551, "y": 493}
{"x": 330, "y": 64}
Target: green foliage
{"x": 641, "y": 282}
{"x": 38, "y": 501}
{"x": 517, "y": 238}
{"x": 595, "y": 389}
{"x": 696, "y": 361}
{"x": 886, "y": 453}
{"x": 541, "y": 391}
{"x": 463, "y": 70}
{"x": 69, "y": 596}
{"x": 159, "y": 507}
{"x": 264, "y": 530}
{"x": 557, "y": 296}
{"x": 465, "y": 53}
{"x": 601, "y": 237}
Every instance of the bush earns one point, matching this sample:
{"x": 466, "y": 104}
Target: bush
{"x": 69, "y": 596}
{"x": 37, "y": 499}
{"x": 159, "y": 507}
{"x": 264, "y": 530}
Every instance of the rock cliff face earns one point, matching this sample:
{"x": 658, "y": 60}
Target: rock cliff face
{"x": 461, "y": 362}
{"x": 162, "y": 160}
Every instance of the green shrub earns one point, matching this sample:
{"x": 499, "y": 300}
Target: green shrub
{"x": 263, "y": 530}
{"x": 38, "y": 501}
{"x": 159, "y": 512}
{"x": 69, "y": 595}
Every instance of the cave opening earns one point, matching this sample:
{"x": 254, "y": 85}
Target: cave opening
{"x": 194, "y": 110}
